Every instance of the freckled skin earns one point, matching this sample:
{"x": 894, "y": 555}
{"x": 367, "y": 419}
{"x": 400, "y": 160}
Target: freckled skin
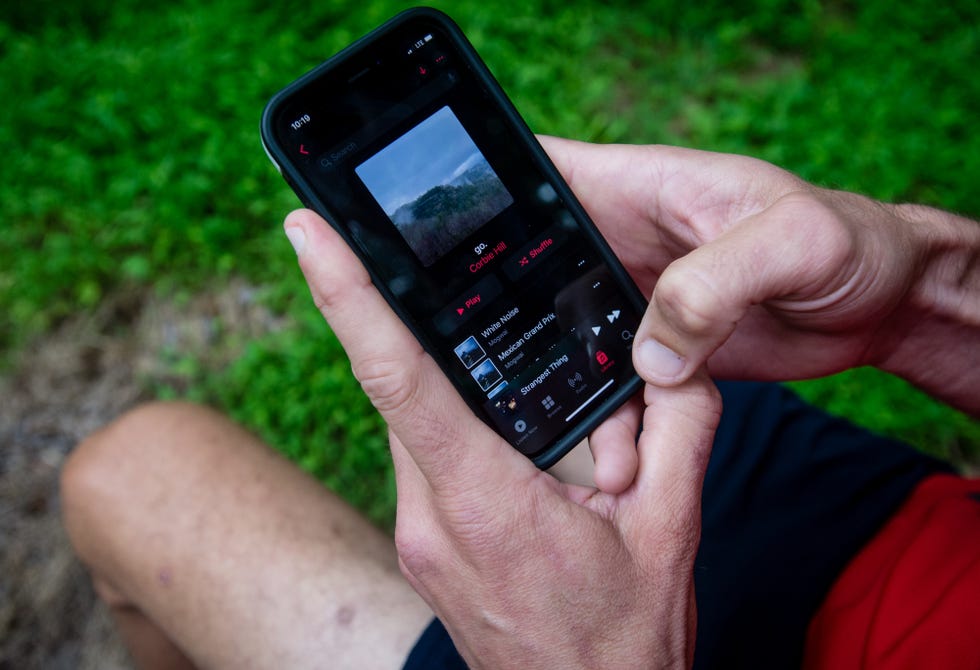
{"x": 345, "y": 615}
{"x": 192, "y": 526}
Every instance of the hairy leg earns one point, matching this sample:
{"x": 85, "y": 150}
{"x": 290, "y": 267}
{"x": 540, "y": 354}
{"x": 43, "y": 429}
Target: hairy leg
{"x": 213, "y": 550}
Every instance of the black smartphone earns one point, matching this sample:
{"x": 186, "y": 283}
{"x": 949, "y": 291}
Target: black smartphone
{"x": 408, "y": 146}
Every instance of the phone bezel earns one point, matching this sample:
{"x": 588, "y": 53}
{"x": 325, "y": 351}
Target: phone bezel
{"x": 283, "y": 162}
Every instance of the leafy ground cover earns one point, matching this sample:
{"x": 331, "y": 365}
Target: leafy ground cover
{"x": 132, "y": 162}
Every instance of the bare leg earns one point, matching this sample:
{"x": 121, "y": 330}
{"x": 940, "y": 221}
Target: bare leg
{"x": 212, "y": 549}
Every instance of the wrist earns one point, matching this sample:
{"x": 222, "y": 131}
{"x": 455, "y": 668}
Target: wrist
{"x": 933, "y": 337}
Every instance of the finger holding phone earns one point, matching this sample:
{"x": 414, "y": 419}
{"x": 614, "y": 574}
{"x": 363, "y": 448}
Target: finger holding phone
{"x": 406, "y": 144}
{"x": 525, "y": 571}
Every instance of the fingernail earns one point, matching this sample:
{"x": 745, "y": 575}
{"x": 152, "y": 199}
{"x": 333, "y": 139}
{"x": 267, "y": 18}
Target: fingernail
{"x": 657, "y": 361}
{"x": 296, "y": 237}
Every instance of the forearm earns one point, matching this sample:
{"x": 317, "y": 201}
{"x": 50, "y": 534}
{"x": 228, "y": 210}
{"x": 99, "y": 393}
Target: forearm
{"x": 934, "y": 337}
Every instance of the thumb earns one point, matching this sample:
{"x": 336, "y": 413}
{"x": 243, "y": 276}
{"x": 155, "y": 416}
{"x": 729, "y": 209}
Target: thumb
{"x": 701, "y": 297}
{"x": 691, "y": 313}
{"x": 678, "y": 432}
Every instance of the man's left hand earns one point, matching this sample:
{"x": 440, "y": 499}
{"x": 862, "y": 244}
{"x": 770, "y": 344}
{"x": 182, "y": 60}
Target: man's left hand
{"x": 523, "y": 570}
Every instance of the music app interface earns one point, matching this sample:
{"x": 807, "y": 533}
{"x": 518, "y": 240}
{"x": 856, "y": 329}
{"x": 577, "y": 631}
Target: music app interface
{"x": 469, "y": 236}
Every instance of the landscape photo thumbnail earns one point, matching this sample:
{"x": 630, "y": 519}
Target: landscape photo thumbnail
{"x": 435, "y": 185}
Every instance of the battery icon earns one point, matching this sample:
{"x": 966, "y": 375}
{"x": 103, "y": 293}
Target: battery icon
{"x": 428, "y": 37}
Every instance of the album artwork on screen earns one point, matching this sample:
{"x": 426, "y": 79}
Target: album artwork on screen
{"x": 435, "y": 185}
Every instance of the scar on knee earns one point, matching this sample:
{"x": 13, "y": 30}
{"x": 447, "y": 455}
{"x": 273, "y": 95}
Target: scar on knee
{"x": 345, "y": 615}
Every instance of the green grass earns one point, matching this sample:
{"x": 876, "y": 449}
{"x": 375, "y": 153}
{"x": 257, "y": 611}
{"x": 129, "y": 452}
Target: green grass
{"x": 132, "y": 159}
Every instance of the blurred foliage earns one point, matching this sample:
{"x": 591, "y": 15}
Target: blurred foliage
{"x": 296, "y": 389}
{"x": 131, "y": 157}
{"x": 893, "y": 407}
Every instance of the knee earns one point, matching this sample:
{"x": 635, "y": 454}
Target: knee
{"x": 92, "y": 471}
{"x": 108, "y": 472}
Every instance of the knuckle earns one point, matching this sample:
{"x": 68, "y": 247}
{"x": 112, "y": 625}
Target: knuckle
{"x": 689, "y": 303}
{"x": 340, "y": 297}
{"x": 416, "y": 550}
{"x": 388, "y": 380}
{"x": 326, "y": 298}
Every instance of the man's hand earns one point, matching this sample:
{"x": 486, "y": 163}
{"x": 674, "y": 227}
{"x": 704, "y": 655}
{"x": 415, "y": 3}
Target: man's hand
{"x": 764, "y": 276}
{"x": 525, "y": 571}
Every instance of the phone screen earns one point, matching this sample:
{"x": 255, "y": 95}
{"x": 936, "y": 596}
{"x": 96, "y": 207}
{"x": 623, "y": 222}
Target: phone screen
{"x": 407, "y": 145}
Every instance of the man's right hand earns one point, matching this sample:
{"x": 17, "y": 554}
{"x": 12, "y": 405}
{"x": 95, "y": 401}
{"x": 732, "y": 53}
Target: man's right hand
{"x": 765, "y": 276}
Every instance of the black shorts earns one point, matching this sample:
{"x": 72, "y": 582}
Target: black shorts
{"x": 791, "y": 494}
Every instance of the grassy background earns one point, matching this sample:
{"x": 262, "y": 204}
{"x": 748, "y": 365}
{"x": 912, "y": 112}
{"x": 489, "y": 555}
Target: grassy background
{"x": 129, "y": 132}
